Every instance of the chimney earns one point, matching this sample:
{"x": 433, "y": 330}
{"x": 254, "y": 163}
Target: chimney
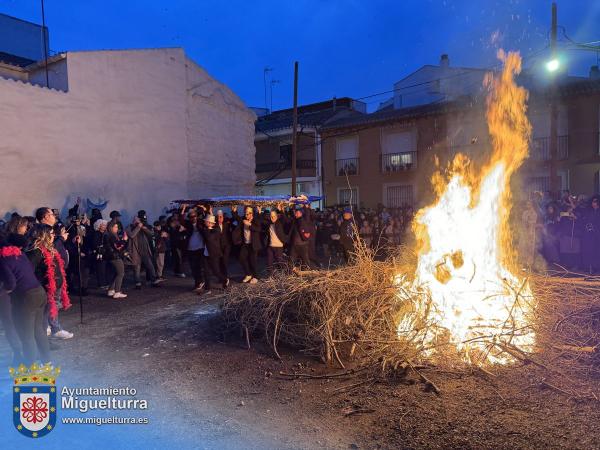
{"x": 444, "y": 61}
{"x": 594, "y": 73}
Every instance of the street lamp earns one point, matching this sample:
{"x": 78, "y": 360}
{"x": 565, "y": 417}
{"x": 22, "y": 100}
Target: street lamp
{"x": 553, "y": 65}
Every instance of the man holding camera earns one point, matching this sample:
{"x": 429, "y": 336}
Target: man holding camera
{"x": 140, "y": 249}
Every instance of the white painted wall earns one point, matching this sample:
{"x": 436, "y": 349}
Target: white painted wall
{"x": 134, "y": 128}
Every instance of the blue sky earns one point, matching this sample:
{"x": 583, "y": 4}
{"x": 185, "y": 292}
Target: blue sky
{"x": 345, "y": 47}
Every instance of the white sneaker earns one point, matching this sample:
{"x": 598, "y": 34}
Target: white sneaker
{"x": 119, "y": 295}
{"x": 48, "y": 331}
{"x": 111, "y": 293}
{"x": 253, "y": 281}
{"x": 247, "y": 278}
{"x": 63, "y": 334}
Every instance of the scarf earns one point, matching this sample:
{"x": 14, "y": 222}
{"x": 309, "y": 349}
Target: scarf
{"x": 9, "y": 250}
{"x": 49, "y": 258}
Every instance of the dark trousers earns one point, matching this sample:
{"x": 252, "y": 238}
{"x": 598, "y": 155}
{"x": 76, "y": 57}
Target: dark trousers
{"x": 28, "y": 317}
{"x": 10, "y": 331}
{"x": 274, "y": 256}
{"x": 197, "y": 264}
{"x": 146, "y": 261}
{"x": 301, "y": 252}
{"x": 79, "y": 277}
{"x": 212, "y": 262}
{"x": 248, "y": 260}
{"x": 101, "y": 272}
{"x": 224, "y": 261}
{"x": 119, "y": 273}
{"x": 177, "y": 255}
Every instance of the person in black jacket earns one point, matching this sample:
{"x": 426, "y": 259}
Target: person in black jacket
{"x": 224, "y": 228}
{"x": 49, "y": 269}
{"x": 248, "y": 236}
{"x": 347, "y": 234}
{"x": 301, "y": 232}
{"x": 213, "y": 253}
{"x": 277, "y": 238}
{"x": 115, "y": 249}
{"x": 98, "y": 255}
{"x": 178, "y": 238}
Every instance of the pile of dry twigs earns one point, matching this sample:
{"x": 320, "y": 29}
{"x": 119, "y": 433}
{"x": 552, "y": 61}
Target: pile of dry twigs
{"x": 349, "y": 317}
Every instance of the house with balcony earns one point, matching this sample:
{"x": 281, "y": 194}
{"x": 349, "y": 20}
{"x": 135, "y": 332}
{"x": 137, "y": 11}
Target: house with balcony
{"x": 273, "y": 142}
{"x": 387, "y": 157}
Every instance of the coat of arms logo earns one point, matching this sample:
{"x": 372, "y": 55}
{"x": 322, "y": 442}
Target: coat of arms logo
{"x": 34, "y": 399}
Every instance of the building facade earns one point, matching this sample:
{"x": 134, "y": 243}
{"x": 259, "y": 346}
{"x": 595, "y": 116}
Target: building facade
{"x": 387, "y": 157}
{"x": 136, "y": 128}
{"x": 273, "y": 143}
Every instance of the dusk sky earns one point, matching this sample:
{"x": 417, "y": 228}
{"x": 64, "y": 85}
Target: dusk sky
{"x": 345, "y": 47}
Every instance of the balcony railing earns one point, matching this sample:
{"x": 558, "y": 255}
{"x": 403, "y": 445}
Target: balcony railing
{"x": 540, "y": 149}
{"x": 286, "y": 165}
{"x": 347, "y": 166}
{"x": 398, "y": 162}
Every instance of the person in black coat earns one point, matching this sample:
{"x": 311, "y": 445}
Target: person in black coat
{"x": 248, "y": 235}
{"x": 178, "y": 239}
{"x": 213, "y": 254}
{"x": 347, "y": 234}
{"x": 276, "y": 238}
{"x": 301, "y": 232}
{"x": 224, "y": 229}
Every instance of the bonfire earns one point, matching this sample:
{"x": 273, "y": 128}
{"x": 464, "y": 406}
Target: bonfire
{"x": 455, "y": 299}
{"x": 464, "y": 292}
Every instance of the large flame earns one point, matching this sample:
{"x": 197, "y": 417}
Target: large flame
{"x": 468, "y": 299}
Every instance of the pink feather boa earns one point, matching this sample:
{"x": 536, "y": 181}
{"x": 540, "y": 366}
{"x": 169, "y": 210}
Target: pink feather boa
{"x": 49, "y": 258}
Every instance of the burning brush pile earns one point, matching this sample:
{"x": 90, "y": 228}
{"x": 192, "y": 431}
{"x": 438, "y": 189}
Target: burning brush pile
{"x": 457, "y": 298}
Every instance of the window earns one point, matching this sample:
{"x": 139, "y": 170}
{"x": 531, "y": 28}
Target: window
{"x": 346, "y": 156}
{"x": 398, "y": 142}
{"x": 285, "y": 152}
{"x": 597, "y": 183}
{"x": 399, "y": 196}
{"x": 348, "y": 196}
{"x": 347, "y": 148}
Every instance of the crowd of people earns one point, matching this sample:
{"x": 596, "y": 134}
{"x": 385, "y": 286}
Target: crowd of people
{"x": 44, "y": 261}
{"x": 565, "y": 232}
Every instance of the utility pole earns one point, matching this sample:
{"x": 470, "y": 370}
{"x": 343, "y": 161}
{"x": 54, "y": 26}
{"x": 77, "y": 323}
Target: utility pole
{"x": 295, "y": 129}
{"x": 265, "y": 70}
{"x": 45, "y": 45}
{"x": 554, "y": 181}
{"x": 273, "y": 83}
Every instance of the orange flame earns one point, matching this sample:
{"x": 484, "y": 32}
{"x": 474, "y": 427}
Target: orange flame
{"x": 467, "y": 298}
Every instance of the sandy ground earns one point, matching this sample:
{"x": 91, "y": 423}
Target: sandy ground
{"x": 206, "y": 390}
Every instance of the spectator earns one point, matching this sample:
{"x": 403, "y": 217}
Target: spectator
{"x": 224, "y": 229}
{"x": 49, "y": 269}
{"x": 115, "y": 250}
{"x": 140, "y": 252}
{"x": 195, "y": 250}
{"x": 99, "y": 252}
{"x": 27, "y": 303}
{"x": 178, "y": 239}
{"x": 248, "y": 236}
{"x": 276, "y": 239}
{"x": 347, "y": 234}
{"x": 301, "y": 232}
{"x": 213, "y": 253}
{"x": 160, "y": 248}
